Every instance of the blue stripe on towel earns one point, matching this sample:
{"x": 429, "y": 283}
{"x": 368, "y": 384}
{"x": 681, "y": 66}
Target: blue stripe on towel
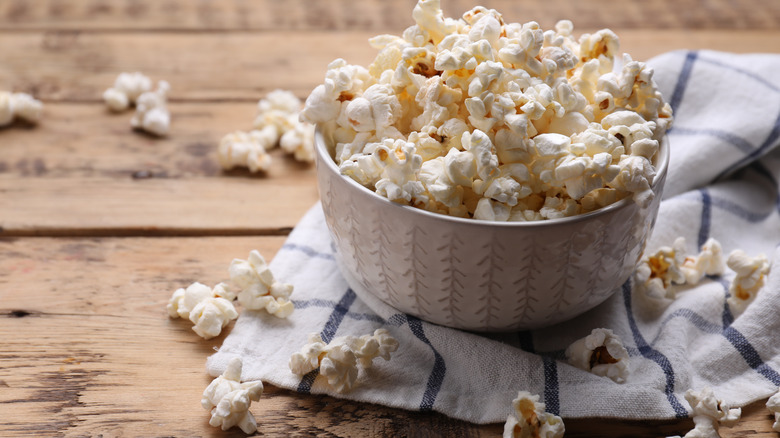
{"x": 328, "y": 332}
{"x": 725, "y": 136}
{"x": 650, "y": 353}
{"x": 309, "y": 251}
{"x": 303, "y": 304}
{"x": 706, "y": 216}
{"x": 747, "y": 73}
{"x": 436, "y": 378}
{"x": 750, "y": 355}
{"x": 682, "y": 80}
{"x": 551, "y": 400}
{"x": 773, "y": 136}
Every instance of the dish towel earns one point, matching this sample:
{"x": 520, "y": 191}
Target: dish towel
{"x": 723, "y": 183}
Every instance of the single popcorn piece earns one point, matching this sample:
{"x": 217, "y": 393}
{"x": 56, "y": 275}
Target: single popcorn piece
{"x": 19, "y": 105}
{"x": 709, "y": 261}
{"x": 151, "y": 111}
{"x": 773, "y": 404}
{"x": 258, "y": 289}
{"x": 245, "y": 149}
{"x": 750, "y": 278}
{"x": 602, "y": 353}
{"x": 708, "y": 414}
{"x": 529, "y": 419}
{"x": 656, "y": 273}
{"x": 208, "y": 312}
{"x": 128, "y": 87}
{"x": 229, "y": 399}
{"x": 338, "y": 361}
{"x": 585, "y": 124}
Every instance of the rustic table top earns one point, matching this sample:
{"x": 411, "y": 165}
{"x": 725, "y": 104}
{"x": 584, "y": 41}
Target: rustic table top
{"x": 99, "y": 224}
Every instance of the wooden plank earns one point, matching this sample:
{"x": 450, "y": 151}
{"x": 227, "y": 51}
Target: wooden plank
{"x": 74, "y": 66}
{"x": 99, "y": 355}
{"x": 374, "y": 15}
{"x": 84, "y": 171}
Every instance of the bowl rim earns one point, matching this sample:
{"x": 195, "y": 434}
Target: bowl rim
{"x": 324, "y": 157}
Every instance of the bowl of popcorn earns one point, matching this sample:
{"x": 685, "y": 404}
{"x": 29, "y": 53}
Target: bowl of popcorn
{"x": 490, "y": 176}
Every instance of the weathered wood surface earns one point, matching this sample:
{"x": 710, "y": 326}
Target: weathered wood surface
{"x": 384, "y": 15}
{"x": 86, "y": 165}
{"x": 76, "y": 66}
{"x": 88, "y": 349}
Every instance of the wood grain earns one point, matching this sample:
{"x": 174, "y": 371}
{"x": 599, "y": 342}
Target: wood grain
{"x": 98, "y": 354}
{"x": 375, "y": 15}
{"x": 73, "y": 66}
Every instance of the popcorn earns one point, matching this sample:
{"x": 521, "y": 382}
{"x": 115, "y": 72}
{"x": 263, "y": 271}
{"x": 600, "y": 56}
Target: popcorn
{"x": 708, "y": 262}
{"x": 529, "y": 419}
{"x": 200, "y": 304}
{"x": 586, "y": 128}
{"x": 246, "y": 149}
{"x": 257, "y": 287}
{"x": 229, "y": 399}
{"x": 602, "y": 353}
{"x": 128, "y": 87}
{"x": 709, "y": 413}
{"x": 773, "y": 404}
{"x": 751, "y": 274}
{"x": 339, "y": 359}
{"x": 151, "y": 111}
{"x": 656, "y": 273}
{"x": 19, "y": 105}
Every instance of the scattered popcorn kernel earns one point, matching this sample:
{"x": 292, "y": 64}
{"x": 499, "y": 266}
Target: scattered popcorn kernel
{"x": 751, "y": 274}
{"x": 709, "y": 261}
{"x": 338, "y": 361}
{"x": 279, "y": 121}
{"x": 245, "y": 149}
{"x": 529, "y": 419}
{"x": 211, "y": 315}
{"x": 258, "y": 288}
{"x": 585, "y": 126}
{"x": 602, "y": 353}
{"x": 19, "y": 105}
{"x": 773, "y": 404}
{"x": 199, "y": 303}
{"x": 229, "y": 399}
{"x": 708, "y": 414}
{"x": 656, "y": 273}
{"x": 151, "y": 111}
{"x": 128, "y": 87}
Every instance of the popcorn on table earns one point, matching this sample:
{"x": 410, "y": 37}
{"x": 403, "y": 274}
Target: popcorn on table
{"x": 773, "y": 404}
{"x": 19, "y": 105}
{"x": 278, "y": 116}
{"x": 338, "y": 361}
{"x": 151, "y": 111}
{"x": 127, "y": 88}
{"x": 494, "y": 120}
{"x": 529, "y": 419}
{"x": 246, "y": 149}
{"x": 229, "y": 399}
{"x": 257, "y": 287}
{"x": 602, "y": 353}
{"x": 750, "y": 278}
{"x": 709, "y": 413}
{"x": 208, "y": 312}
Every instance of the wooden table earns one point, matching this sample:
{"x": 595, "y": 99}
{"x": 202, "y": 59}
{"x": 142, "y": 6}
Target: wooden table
{"x": 99, "y": 225}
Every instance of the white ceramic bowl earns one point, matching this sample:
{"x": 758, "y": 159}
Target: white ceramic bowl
{"x": 481, "y": 275}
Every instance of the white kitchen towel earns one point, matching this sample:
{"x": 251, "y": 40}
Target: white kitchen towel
{"x": 723, "y": 183}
